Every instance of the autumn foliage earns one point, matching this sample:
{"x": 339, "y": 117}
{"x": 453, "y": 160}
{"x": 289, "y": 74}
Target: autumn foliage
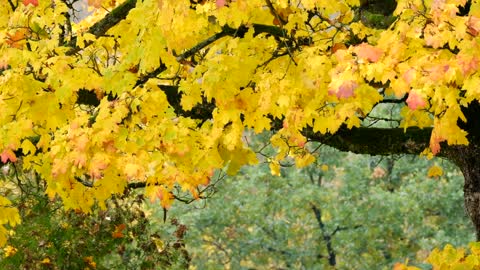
{"x": 162, "y": 92}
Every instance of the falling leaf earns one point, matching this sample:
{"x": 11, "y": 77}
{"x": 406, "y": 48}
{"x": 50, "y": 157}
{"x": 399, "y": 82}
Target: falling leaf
{"x": 324, "y": 167}
{"x": 274, "y": 168}
{"x": 435, "y": 171}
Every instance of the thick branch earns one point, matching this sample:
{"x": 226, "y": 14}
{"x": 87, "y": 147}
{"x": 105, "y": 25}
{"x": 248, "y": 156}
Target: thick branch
{"x": 112, "y": 18}
{"x": 375, "y": 141}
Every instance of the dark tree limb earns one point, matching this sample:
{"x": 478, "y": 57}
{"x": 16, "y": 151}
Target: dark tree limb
{"x": 375, "y": 141}
{"x": 332, "y": 261}
{"x": 102, "y": 26}
{"x": 12, "y": 5}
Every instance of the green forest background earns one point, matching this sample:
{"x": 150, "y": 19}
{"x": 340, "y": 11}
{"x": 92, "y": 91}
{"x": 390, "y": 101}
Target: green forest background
{"x": 344, "y": 212}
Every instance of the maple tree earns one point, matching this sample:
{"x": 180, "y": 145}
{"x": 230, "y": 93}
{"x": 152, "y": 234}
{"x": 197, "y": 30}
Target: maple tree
{"x": 159, "y": 94}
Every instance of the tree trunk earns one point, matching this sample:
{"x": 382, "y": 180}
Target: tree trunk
{"x": 467, "y": 159}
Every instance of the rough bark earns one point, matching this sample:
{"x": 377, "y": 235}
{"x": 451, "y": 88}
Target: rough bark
{"x": 467, "y": 158}
{"x": 375, "y": 141}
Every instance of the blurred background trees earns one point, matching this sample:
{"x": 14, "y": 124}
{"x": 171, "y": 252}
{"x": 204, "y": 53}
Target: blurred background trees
{"x": 347, "y": 212}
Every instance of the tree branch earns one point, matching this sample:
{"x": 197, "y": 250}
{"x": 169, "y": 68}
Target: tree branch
{"x": 12, "y": 5}
{"x": 345, "y": 228}
{"x": 326, "y": 237}
{"x": 375, "y": 141}
{"x": 102, "y": 26}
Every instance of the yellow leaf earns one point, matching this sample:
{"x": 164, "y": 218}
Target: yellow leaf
{"x": 304, "y": 160}
{"x": 275, "y": 168}
{"x": 46, "y": 261}
{"x": 435, "y": 171}
{"x": 324, "y": 167}
{"x": 475, "y": 248}
{"x": 28, "y": 147}
{"x": 9, "y": 251}
{"x": 133, "y": 171}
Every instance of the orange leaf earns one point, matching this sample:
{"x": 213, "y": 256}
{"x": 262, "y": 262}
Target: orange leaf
{"x": 435, "y": 143}
{"x": 435, "y": 171}
{"x": 14, "y": 40}
{"x": 415, "y": 100}
{"x": 7, "y": 155}
{"x": 95, "y": 3}
{"x": 118, "y": 231}
{"x": 338, "y": 46}
{"x": 33, "y": 2}
{"x": 165, "y": 197}
{"x": 116, "y": 234}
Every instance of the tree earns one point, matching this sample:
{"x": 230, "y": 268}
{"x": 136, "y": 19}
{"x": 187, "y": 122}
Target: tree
{"x": 159, "y": 94}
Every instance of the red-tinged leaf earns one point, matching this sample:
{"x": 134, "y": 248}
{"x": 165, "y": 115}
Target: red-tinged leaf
{"x": 473, "y": 26}
{"x": 415, "y": 100}
{"x": 33, "y": 2}
{"x": 468, "y": 65}
{"x": 409, "y": 75}
{"x": 118, "y": 233}
{"x": 345, "y": 90}
{"x": 435, "y": 141}
{"x": 368, "y": 52}
{"x": 221, "y": 3}
{"x": 437, "y": 72}
{"x": 165, "y": 197}
{"x": 7, "y": 155}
